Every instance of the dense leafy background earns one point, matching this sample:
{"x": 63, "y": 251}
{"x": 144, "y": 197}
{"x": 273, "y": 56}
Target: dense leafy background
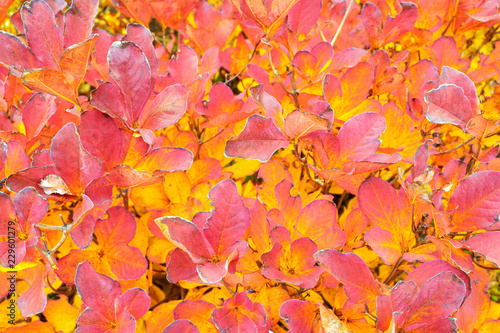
{"x": 248, "y": 165}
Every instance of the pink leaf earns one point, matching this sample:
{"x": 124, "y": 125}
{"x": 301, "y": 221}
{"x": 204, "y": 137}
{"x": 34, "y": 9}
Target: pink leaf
{"x": 230, "y": 217}
{"x": 486, "y": 244}
{"x": 97, "y": 291}
{"x": 36, "y": 113}
{"x": 130, "y": 70}
{"x": 181, "y": 326}
{"x": 352, "y": 271}
{"x": 359, "y": 137}
{"x": 135, "y": 301}
{"x": 476, "y": 201}
{"x": 73, "y": 163}
{"x": 450, "y": 75}
{"x": 16, "y": 56}
{"x": 79, "y": 20}
{"x": 166, "y": 108}
{"x": 259, "y": 140}
{"x": 448, "y": 105}
{"x": 44, "y": 37}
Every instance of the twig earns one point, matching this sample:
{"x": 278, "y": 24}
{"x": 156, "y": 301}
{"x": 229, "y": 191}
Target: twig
{"x": 248, "y": 62}
{"x": 227, "y": 287}
{"x": 47, "y": 255}
{"x": 51, "y": 227}
{"x": 200, "y": 143}
{"x": 485, "y": 267}
{"x": 487, "y": 38}
{"x": 448, "y": 26}
{"x": 456, "y": 147}
{"x": 294, "y": 90}
{"x": 391, "y": 275}
{"x": 61, "y": 242}
{"x": 275, "y": 71}
{"x": 65, "y": 228}
{"x": 124, "y": 195}
{"x": 342, "y": 23}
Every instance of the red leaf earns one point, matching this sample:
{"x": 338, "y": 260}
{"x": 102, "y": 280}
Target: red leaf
{"x": 102, "y": 138}
{"x": 300, "y": 316}
{"x": 359, "y": 137}
{"x": 259, "y": 140}
{"x": 429, "y": 269}
{"x": 33, "y": 300}
{"x": 107, "y": 307}
{"x": 304, "y": 16}
{"x": 166, "y": 108}
{"x": 240, "y": 314}
{"x": 450, "y": 75}
{"x": 230, "y": 213}
{"x": 141, "y": 36}
{"x": 135, "y": 301}
{"x": 181, "y": 267}
{"x": 476, "y": 201}
{"x": 182, "y": 232}
{"x": 269, "y": 104}
{"x": 44, "y": 37}
{"x": 352, "y": 271}
{"x": 181, "y": 326}
{"x": 73, "y": 163}
{"x": 292, "y": 263}
{"x": 402, "y": 23}
{"x": 381, "y": 203}
{"x": 16, "y": 56}
{"x": 79, "y": 20}
{"x": 36, "y": 113}
{"x": 372, "y": 20}
{"x": 448, "y": 105}
{"x": 216, "y": 245}
{"x": 301, "y": 125}
{"x": 438, "y": 298}
{"x": 29, "y": 177}
{"x": 97, "y": 291}
{"x": 130, "y": 70}
{"x": 109, "y": 99}
{"x": 30, "y": 209}
{"x": 486, "y": 244}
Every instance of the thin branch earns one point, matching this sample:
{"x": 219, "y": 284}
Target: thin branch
{"x": 228, "y": 288}
{"x": 448, "y": 26}
{"x": 485, "y": 267}
{"x": 394, "y": 269}
{"x": 248, "y": 62}
{"x": 50, "y": 284}
{"x": 47, "y": 255}
{"x": 200, "y": 143}
{"x": 294, "y": 91}
{"x": 124, "y": 195}
{"x": 455, "y": 148}
{"x": 342, "y": 23}
{"x": 487, "y": 38}
{"x": 61, "y": 242}
{"x": 275, "y": 71}
{"x": 51, "y": 227}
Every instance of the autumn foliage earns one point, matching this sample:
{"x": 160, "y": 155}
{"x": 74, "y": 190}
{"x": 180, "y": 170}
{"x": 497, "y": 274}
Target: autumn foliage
{"x": 250, "y": 166}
